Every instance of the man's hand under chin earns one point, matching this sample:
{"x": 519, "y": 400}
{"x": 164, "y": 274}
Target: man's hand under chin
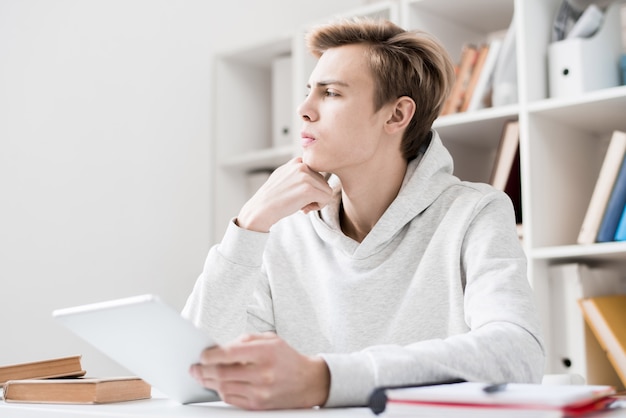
{"x": 290, "y": 188}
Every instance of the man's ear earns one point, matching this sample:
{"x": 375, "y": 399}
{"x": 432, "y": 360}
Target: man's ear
{"x": 402, "y": 112}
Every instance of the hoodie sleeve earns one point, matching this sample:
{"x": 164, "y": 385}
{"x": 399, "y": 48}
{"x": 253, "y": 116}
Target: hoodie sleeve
{"x": 503, "y": 343}
{"x": 232, "y": 276}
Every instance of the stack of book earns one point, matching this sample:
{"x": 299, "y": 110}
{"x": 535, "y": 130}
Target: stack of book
{"x": 61, "y": 380}
{"x": 473, "y": 78}
{"x": 605, "y": 219}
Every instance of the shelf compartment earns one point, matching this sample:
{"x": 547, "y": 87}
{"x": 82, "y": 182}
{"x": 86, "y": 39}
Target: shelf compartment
{"x": 472, "y": 139}
{"x": 268, "y": 158}
{"x": 456, "y": 23}
{"x": 594, "y": 112}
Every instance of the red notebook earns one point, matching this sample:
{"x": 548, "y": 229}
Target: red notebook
{"x": 511, "y": 400}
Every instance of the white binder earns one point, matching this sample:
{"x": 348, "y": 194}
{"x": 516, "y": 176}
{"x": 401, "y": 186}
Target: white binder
{"x": 579, "y": 65}
{"x": 282, "y": 106}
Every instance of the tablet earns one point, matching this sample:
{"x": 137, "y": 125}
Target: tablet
{"x": 147, "y": 337}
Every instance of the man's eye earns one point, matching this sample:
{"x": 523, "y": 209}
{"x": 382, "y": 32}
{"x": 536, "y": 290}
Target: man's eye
{"x": 330, "y": 93}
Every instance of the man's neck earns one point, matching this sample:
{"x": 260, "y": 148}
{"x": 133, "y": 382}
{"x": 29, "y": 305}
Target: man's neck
{"x": 366, "y": 196}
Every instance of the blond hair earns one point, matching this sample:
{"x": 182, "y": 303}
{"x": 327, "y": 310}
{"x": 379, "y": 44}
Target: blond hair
{"x": 403, "y": 63}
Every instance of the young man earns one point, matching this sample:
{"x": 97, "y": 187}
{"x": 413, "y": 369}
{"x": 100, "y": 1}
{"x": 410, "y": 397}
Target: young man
{"x": 393, "y": 272}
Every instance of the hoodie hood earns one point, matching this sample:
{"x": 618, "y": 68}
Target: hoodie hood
{"x": 426, "y": 178}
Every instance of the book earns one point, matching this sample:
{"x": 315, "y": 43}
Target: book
{"x": 620, "y": 233}
{"x": 505, "y": 155}
{"x": 514, "y": 187}
{"x": 469, "y": 54}
{"x": 575, "y": 350}
{"x": 77, "y": 391}
{"x": 504, "y": 90}
{"x": 488, "y": 400}
{"x": 614, "y": 207}
{"x": 602, "y": 190}
{"x": 505, "y": 174}
{"x": 605, "y": 316}
{"x": 475, "y": 99}
{"x": 43, "y": 369}
{"x": 477, "y": 69}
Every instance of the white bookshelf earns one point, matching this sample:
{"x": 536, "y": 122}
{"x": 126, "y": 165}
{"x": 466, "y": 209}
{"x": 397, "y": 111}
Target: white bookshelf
{"x": 562, "y": 140}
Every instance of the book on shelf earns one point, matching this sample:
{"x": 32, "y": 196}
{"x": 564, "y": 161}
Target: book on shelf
{"x": 605, "y": 316}
{"x": 469, "y": 55}
{"x": 489, "y": 400}
{"x": 504, "y": 91}
{"x": 505, "y": 174}
{"x": 77, "y": 390}
{"x": 43, "y": 369}
{"x": 620, "y": 233}
{"x": 514, "y": 188}
{"x": 575, "y": 349}
{"x": 481, "y": 56}
{"x": 602, "y": 191}
{"x": 482, "y": 77}
{"x": 505, "y": 155}
{"x": 614, "y": 207}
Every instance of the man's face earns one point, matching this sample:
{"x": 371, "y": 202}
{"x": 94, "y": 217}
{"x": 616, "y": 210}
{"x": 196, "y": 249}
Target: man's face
{"x": 340, "y": 129}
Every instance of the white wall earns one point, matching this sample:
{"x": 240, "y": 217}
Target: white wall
{"x": 105, "y": 164}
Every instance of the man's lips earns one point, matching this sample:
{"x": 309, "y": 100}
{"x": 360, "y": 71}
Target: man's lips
{"x": 307, "y": 139}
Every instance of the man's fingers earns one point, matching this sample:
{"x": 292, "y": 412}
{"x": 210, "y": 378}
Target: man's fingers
{"x": 245, "y": 396}
{"x": 311, "y": 207}
{"x": 249, "y": 350}
{"x": 261, "y": 336}
{"x": 261, "y": 371}
{"x": 318, "y": 179}
{"x": 222, "y": 373}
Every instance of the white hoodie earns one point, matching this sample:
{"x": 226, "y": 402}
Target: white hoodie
{"x": 436, "y": 290}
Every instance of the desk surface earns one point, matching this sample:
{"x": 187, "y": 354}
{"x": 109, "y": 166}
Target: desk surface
{"x": 165, "y": 408}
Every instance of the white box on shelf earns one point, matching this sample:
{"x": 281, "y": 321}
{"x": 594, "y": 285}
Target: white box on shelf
{"x": 574, "y": 347}
{"x": 282, "y": 107}
{"x": 579, "y": 65}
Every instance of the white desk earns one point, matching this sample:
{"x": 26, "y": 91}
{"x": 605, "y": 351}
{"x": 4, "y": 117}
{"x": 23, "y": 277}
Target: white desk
{"x": 165, "y": 408}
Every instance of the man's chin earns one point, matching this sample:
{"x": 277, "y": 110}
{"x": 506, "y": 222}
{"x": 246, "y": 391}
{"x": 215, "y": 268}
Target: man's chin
{"x": 311, "y": 163}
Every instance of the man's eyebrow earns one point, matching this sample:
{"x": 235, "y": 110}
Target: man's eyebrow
{"x": 325, "y": 83}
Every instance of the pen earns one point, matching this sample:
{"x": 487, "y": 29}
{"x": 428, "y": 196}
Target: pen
{"x": 496, "y": 387}
{"x": 378, "y": 399}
